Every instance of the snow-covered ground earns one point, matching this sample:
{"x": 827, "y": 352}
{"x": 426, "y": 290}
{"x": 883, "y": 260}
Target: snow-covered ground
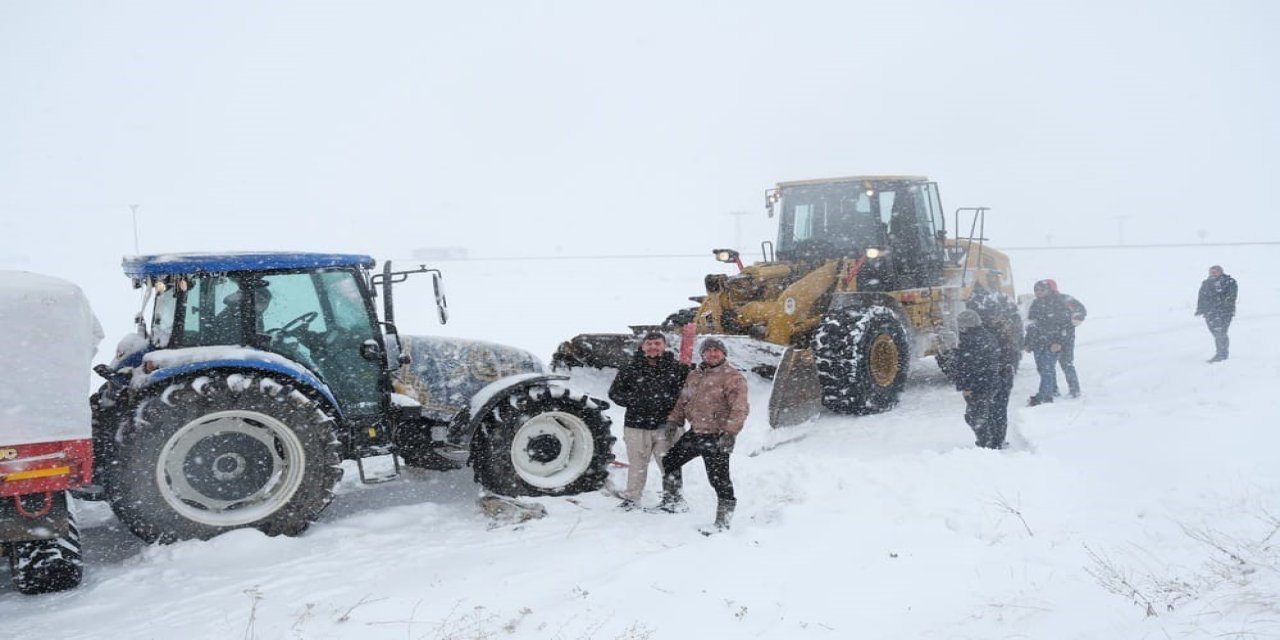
{"x": 1147, "y": 508}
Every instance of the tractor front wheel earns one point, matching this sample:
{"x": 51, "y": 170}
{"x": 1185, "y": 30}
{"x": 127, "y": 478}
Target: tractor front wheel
{"x": 542, "y": 440}
{"x": 221, "y": 452}
{"x": 862, "y": 357}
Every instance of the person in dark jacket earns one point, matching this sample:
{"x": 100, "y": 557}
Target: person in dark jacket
{"x": 1000, "y": 314}
{"x": 648, "y": 386}
{"x": 1067, "y": 357}
{"x": 714, "y": 402}
{"x": 1217, "y": 303}
{"x": 1048, "y": 329}
{"x": 980, "y": 362}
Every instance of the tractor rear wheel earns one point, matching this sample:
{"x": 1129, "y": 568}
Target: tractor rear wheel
{"x": 542, "y": 440}
{"x": 862, "y": 357}
{"x": 45, "y": 566}
{"x": 221, "y": 452}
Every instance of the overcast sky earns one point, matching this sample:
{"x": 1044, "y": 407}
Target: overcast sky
{"x": 588, "y": 128}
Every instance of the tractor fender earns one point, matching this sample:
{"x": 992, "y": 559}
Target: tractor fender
{"x": 296, "y": 373}
{"x": 464, "y": 424}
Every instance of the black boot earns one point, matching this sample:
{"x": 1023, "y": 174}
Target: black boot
{"x": 672, "y": 501}
{"x": 724, "y": 514}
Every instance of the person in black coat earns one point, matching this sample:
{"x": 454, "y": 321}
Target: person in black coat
{"x": 979, "y": 362}
{"x": 1217, "y": 303}
{"x": 1049, "y": 328}
{"x": 648, "y": 386}
{"x": 1000, "y": 315}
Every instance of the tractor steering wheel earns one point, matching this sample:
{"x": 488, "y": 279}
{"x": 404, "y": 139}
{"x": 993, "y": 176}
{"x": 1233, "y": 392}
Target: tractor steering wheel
{"x": 295, "y": 326}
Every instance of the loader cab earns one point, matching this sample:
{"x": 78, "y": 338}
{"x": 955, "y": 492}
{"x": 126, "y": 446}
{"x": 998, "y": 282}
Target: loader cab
{"x": 891, "y": 222}
{"x": 320, "y": 317}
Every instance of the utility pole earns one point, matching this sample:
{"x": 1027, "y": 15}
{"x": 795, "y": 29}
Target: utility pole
{"x": 1120, "y": 228}
{"x": 134, "y": 208}
{"x": 737, "y": 228}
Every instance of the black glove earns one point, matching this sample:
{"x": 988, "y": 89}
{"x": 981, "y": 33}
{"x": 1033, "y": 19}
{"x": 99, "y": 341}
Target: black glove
{"x": 725, "y": 442}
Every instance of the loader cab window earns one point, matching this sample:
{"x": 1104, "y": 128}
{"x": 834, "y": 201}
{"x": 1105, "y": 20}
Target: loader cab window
{"x": 822, "y": 222}
{"x": 913, "y": 241}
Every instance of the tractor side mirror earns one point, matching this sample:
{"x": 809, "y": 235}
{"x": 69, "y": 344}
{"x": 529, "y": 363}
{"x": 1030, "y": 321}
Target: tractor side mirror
{"x": 369, "y": 350}
{"x": 442, "y": 304}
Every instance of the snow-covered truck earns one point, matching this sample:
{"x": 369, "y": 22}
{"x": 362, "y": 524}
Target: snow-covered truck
{"x": 48, "y": 337}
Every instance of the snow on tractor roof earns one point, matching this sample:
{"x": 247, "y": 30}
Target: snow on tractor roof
{"x": 183, "y": 263}
{"x": 48, "y": 337}
{"x": 797, "y": 183}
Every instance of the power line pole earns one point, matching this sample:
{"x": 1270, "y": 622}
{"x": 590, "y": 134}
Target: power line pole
{"x": 1120, "y": 228}
{"x": 737, "y": 228}
{"x": 134, "y": 208}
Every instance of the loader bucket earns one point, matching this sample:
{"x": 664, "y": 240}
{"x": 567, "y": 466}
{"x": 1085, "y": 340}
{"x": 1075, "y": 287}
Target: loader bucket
{"x": 595, "y": 350}
{"x": 796, "y": 395}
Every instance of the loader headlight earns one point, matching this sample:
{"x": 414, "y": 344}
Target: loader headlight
{"x": 726, "y": 255}
{"x": 874, "y": 252}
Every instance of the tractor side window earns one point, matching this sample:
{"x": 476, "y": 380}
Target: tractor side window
{"x": 210, "y": 313}
{"x": 345, "y": 301}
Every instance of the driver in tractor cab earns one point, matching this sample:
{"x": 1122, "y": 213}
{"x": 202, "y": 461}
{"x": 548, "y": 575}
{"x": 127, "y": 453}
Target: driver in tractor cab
{"x": 226, "y": 326}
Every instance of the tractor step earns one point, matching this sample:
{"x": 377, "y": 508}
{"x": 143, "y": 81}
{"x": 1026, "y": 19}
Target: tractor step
{"x": 376, "y": 452}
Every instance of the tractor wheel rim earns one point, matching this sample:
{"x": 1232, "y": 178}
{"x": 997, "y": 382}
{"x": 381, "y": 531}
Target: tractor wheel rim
{"x": 230, "y": 468}
{"x": 884, "y": 360}
{"x": 552, "y": 449}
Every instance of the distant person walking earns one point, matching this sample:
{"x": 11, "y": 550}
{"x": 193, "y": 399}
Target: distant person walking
{"x": 1067, "y": 357}
{"x": 648, "y": 386}
{"x": 1048, "y": 329}
{"x": 1217, "y": 303}
{"x": 979, "y": 364}
{"x": 714, "y": 401}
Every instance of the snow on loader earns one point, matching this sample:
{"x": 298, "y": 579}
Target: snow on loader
{"x": 864, "y": 279}
{"x": 252, "y": 375}
{"x": 50, "y": 336}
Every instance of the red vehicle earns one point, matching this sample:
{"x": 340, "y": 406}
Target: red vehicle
{"x": 48, "y": 336}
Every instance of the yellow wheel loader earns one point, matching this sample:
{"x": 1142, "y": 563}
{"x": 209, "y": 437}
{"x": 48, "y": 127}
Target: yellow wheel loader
{"x": 863, "y": 279}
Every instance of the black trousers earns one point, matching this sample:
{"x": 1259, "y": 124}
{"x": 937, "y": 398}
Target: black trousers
{"x": 1218, "y": 326}
{"x": 987, "y": 411}
{"x": 714, "y": 453}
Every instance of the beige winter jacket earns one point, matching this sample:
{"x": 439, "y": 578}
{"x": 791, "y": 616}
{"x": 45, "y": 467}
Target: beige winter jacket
{"x": 713, "y": 400}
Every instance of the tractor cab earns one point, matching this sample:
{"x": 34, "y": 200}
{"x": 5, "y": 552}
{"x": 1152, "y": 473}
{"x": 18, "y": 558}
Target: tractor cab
{"x": 311, "y": 309}
{"x": 893, "y": 223}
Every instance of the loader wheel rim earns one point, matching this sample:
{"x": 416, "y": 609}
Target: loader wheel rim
{"x": 884, "y": 360}
{"x": 552, "y": 449}
{"x": 230, "y": 468}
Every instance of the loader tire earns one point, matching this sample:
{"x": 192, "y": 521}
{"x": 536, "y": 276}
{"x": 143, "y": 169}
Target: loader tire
{"x": 862, "y": 357}
{"x": 543, "y": 441}
{"x": 45, "y": 566}
{"x": 224, "y": 451}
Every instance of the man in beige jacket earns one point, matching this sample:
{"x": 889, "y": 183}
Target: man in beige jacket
{"x": 714, "y": 401}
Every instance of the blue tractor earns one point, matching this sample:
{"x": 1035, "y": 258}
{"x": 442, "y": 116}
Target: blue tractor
{"x": 253, "y": 375}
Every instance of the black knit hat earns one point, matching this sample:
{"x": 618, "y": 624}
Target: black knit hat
{"x": 712, "y": 343}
